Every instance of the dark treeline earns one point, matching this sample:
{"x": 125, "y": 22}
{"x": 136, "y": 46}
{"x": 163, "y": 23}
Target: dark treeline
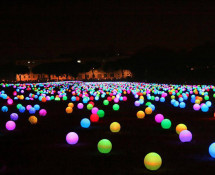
{"x": 150, "y": 64}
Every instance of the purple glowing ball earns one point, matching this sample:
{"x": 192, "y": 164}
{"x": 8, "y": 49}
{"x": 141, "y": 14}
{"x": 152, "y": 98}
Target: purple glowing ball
{"x": 137, "y": 103}
{"x": 42, "y": 112}
{"x": 185, "y": 136}
{"x": 80, "y": 106}
{"x": 196, "y": 107}
{"x": 72, "y": 138}
{"x": 10, "y": 125}
{"x": 14, "y": 116}
{"x": 94, "y": 110}
{"x": 159, "y": 118}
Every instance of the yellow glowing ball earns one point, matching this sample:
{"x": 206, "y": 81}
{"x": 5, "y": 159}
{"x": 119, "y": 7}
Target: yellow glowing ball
{"x": 71, "y": 105}
{"x": 32, "y": 120}
{"x": 152, "y": 161}
{"x": 148, "y": 110}
{"x": 180, "y": 127}
{"x": 21, "y": 97}
{"x": 113, "y": 97}
{"x": 140, "y": 114}
{"x": 197, "y": 101}
{"x": 141, "y": 97}
{"x": 115, "y": 127}
{"x": 69, "y": 110}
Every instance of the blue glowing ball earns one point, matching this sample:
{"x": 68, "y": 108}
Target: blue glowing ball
{"x": 208, "y": 103}
{"x": 36, "y": 96}
{"x": 15, "y": 98}
{"x": 27, "y": 98}
{"x": 162, "y": 99}
{"x": 85, "y": 123}
{"x": 152, "y": 107}
{"x": 14, "y": 116}
{"x": 137, "y": 103}
{"x": 73, "y": 98}
{"x": 32, "y": 110}
{"x": 157, "y": 98}
{"x": 22, "y": 109}
{"x": 204, "y": 108}
{"x": 180, "y": 99}
{"x": 4, "y": 108}
{"x": 212, "y": 150}
{"x": 182, "y": 105}
{"x": 175, "y": 104}
{"x": 37, "y": 107}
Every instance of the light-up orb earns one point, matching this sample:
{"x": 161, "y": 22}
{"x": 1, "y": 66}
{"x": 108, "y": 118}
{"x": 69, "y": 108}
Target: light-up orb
{"x": 4, "y": 108}
{"x": 94, "y": 110}
{"x": 10, "y": 125}
{"x": 32, "y": 120}
{"x": 104, "y": 146}
{"x": 28, "y": 107}
{"x": 100, "y": 113}
{"x": 10, "y": 101}
{"x": 106, "y": 102}
{"x": 22, "y": 109}
{"x": 148, "y": 110}
{"x": 94, "y": 118}
{"x": 115, "y": 107}
{"x": 115, "y": 127}
{"x": 152, "y": 161}
{"x": 204, "y": 108}
{"x": 85, "y": 123}
{"x": 42, "y": 112}
{"x": 37, "y": 107}
{"x": 159, "y": 118}
{"x": 137, "y": 103}
{"x": 180, "y": 127}
{"x": 80, "y": 106}
{"x": 140, "y": 114}
{"x": 89, "y": 106}
{"x": 14, "y": 116}
{"x": 69, "y": 110}
{"x": 196, "y": 107}
{"x": 166, "y": 124}
{"x": 212, "y": 150}
{"x": 32, "y": 110}
{"x": 185, "y": 136}
{"x": 71, "y": 105}
{"x": 72, "y": 138}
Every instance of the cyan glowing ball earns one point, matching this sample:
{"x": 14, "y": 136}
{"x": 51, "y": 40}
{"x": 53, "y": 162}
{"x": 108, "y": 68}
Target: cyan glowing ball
{"x": 104, "y": 146}
{"x": 166, "y": 124}
{"x": 85, "y": 123}
{"x": 185, "y": 136}
{"x": 162, "y": 99}
{"x": 22, "y": 109}
{"x": 32, "y": 111}
{"x": 182, "y": 105}
{"x": 72, "y": 138}
{"x": 73, "y": 98}
{"x": 37, "y": 107}
{"x": 152, "y": 107}
{"x": 175, "y": 104}
{"x": 208, "y": 103}
{"x": 80, "y": 106}
{"x": 159, "y": 118}
{"x": 212, "y": 150}
{"x": 196, "y": 107}
{"x": 42, "y": 112}
{"x": 204, "y": 108}
{"x": 152, "y": 161}
{"x": 10, "y": 125}
{"x": 14, "y": 116}
{"x": 4, "y": 108}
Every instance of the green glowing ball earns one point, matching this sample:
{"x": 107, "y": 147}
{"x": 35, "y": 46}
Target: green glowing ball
{"x": 64, "y": 98}
{"x": 166, "y": 124}
{"x": 206, "y": 97}
{"x": 115, "y": 107}
{"x": 106, "y": 102}
{"x": 152, "y": 161}
{"x": 148, "y": 103}
{"x": 89, "y": 106}
{"x": 100, "y": 113}
{"x": 18, "y": 106}
{"x": 104, "y": 146}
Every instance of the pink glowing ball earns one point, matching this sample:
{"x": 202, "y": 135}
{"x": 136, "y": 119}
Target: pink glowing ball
{"x": 10, "y": 101}
{"x": 72, "y": 138}
{"x": 185, "y": 136}
{"x": 94, "y": 110}
{"x": 42, "y": 112}
{"x": 196, "y": 107}
{"x": 159, "y": 118}
{"x": 116, "y": 100}
{"x": 14, "y": 93}
{"x": 124, "y": 98}
{"x": 28, "y": 107}
{"x": 10, "y": 125}
{"x": 80, "y": 106}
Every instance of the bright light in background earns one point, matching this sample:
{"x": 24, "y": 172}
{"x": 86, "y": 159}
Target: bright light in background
{"x": 29, "y": 62}
{"x": 78, "y": 61}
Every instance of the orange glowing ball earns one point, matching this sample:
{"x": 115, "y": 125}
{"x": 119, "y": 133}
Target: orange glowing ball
{"x": 115, "y": 127}
{"x": 148, "y": 110}
{"x": 180, "y": 127}
{"x": 32, "y": 120}
{"x": 71, "y": 105}
{"x": 140, "y": 114}
{"x": 44, "y": 99}
{"x": 69, "y": 110}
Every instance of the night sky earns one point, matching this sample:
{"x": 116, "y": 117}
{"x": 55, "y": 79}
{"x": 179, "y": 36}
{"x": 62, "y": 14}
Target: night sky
{"x": 38, "y": 29}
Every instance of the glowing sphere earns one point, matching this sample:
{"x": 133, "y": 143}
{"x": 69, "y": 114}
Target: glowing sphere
{"x": 204, "y": 108}
{"x": 94, "y": 118}
{"x": 85, "y": 123}
{"x": 148, "y": 110}
{"x": 166, "y": 124}
{"x": 32, "y": 110}
{"x": 152, "y": 161}
{"x": 212, "y": 150}
{"x": 104, "y": 146}
{"x": 80, "y": 106}
{"x": 32, "y": 120}
{"x": 72, "y": 138}
{"x": 28, "y": 107}
{"x": 14, "y": 116}
{"x": 4, "y": 108}
{"x": 182, "y": 105}
{"x": 89, "y": 106}
{"x": 94, "y": 110}
{"x": 185, "y": 136}
{"x": 159, "y": 118}
{"x": 71, "y": 105}
{"x": 140, "y": 114}
{"x": 69, "y": 110}
{"x": 115, "y": 107}
{"x": 37, "y": 107}
{"x": 137, "y": 103}
{"x": 42, "y": 112}
{"x": 22, "y": 109}
{"x": 180, "y": 127}
{"x": 10, "y": 101}
{"x": 18, "y": 106}
{"x": 106, "y": 102}
{"x": 115, "y": 127}
{"x": 100, "y": 113}
{"x": 196, "y": 107}
{"x": 10, "y": 125}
